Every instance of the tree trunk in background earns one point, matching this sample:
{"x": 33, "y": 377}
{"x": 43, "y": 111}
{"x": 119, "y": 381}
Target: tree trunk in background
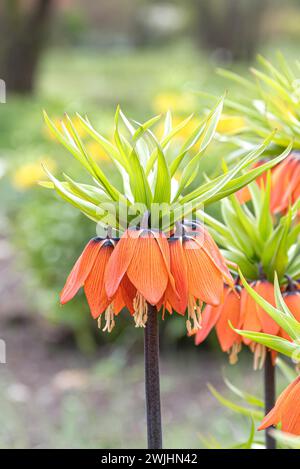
{"x": 22, "y": 38}
{"x": 232, "y": 25}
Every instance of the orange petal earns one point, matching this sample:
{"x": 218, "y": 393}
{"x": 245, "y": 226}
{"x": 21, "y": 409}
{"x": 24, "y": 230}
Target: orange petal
{"x": 290, "y": 412}
{"x": 296, "y": 192}
{"x": 292, "y": 300}
{"x": 204, "y": 278}
{"x": 81, "y": 270}
{"x": 243, "y": 195}
{"x": 287, "y": 194}
{"x": 165, "y": 251}
{"x": 147, "y": 270}
{"x": 94, "y": 284}
{"x": 119, "y": 261}
{"x": 276, "y": 414}
{"x": 213, "y": 252}
{"x": 128, "y": 292}
{"x": 249, "y": 317}
{"x": 281, "y": 188}
{"x": 179, "y": 271}
{"x": 118, "y": 302}
{"x": 210, "y": 316}
{"x": 230, "y": 312}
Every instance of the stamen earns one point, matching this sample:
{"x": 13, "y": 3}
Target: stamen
{"x": 233, "y": 353}
{"x": 194, "y": 320}
{"x": 259, "y": 357}
{"x": 109, "y": 319}
{"x": 99, "y": 321}
{"x": 140, "y": 310}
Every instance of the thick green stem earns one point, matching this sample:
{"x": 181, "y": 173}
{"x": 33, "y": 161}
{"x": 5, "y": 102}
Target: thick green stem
{"x": 151, "y": 347}
{"x": 269, "y": 384}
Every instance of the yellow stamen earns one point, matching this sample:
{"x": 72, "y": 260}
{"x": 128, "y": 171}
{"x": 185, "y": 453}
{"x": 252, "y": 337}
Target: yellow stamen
{"x": 140, "y": 310}
{"x": 194, "y": 315}
{"x": 109, "y": 319}
{"x": 99, "y": 321}
{"x": 259, "y": 357}
{"x": 233, "y": 353}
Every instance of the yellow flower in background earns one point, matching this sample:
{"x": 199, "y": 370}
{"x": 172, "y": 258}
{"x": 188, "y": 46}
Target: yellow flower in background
{"x": 181, "y": 103}
{"x": 185, "y": 132}
{"x": 77, "y": 125}
{"x": 284, "y": 110}
{"x": 29, "y": 174}
{"x": 96, "y": 151}
{"x": 231, "y": 124}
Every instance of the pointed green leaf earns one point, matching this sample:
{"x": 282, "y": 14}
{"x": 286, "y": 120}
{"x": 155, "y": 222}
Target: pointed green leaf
{"x": 203, "y": 134}
{"x": 265, "y": 221}
{"x": 273, "y": 342}
{"x": 249, "y": 398}
{"x": 98, "y": 173}
{"x": 248, "y": 412}
{"x": 162, "y": 192}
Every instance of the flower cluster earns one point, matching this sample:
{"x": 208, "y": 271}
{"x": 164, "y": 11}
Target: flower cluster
{"x": 285, "y": 184}
{"x": 241, "y": 311}
{"x": 286, "y": 314}
{"x": 154, "y": 250}
{"x": 151, "y": 249}
{"x": 178, "y": 273}
{"x": 260, "y": 245}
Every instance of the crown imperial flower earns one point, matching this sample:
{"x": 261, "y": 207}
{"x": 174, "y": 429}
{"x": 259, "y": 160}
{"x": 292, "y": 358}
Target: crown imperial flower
{"x": 152, "y": 249}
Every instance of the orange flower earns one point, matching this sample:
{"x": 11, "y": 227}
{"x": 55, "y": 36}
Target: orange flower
{"x": 219, "y": 317}
{"x": 253, "y": 317}
{"x": 199, "y": 271}
{"x": 179, "y": 273}
{"x": 285, "y": 183}
{"x": 173, "y": 300}
{"x": 244, "y": 313}
{"x": 292, "y": 300}
{"x": 286, "y": 410}
{"x": 143, "y": 255}
{"x": 88, "y": 272}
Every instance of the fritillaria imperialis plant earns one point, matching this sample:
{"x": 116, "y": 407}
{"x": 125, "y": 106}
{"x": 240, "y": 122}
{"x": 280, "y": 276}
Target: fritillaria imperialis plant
{"x": 272, "y": 101}
{"x": 261, "y": 245}
{"x": 286, "y": 411}
{"x": 150, "y": 253}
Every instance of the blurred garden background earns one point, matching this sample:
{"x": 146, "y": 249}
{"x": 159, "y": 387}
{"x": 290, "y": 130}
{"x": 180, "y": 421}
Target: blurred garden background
{"x": 65, "y": 383}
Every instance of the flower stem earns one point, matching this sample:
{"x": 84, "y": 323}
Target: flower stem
{"x": 269, "y": 382}
{"x": 151, "y": 347}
